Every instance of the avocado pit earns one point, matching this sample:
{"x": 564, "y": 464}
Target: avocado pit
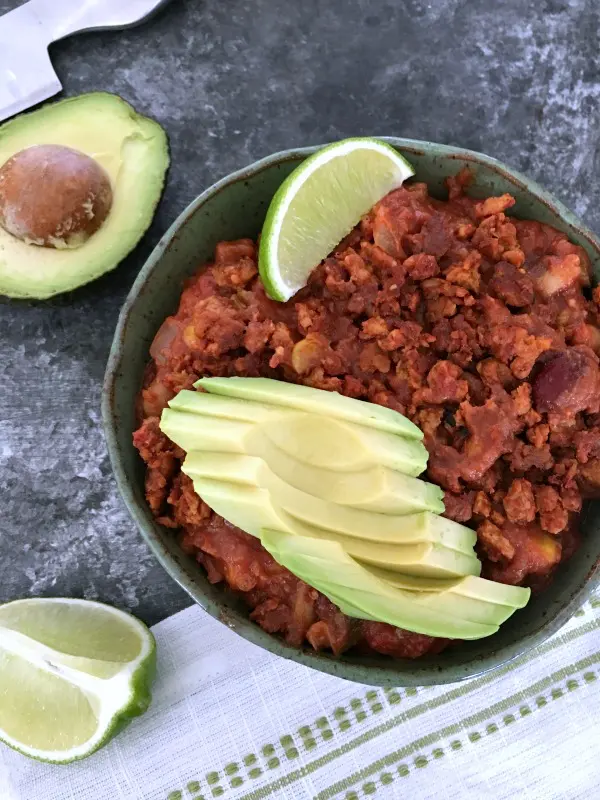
{"x": 53, "y": 196}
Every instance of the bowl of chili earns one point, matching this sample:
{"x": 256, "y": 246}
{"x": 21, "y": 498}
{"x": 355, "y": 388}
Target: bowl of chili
{"x": 497, "y": 346}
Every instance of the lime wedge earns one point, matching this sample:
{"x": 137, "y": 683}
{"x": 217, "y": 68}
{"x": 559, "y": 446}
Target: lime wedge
{"x": 73, "y": 673}
{"x": 319, "y": 203}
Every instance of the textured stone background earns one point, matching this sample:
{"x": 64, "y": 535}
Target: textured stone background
{"x": 231, "y": 82}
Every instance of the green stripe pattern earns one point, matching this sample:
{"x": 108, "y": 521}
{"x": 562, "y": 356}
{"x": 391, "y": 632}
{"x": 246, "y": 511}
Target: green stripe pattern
{"x": 261, "y": 774}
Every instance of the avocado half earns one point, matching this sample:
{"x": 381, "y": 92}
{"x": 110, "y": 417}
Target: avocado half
{"x": 132, "y": 149}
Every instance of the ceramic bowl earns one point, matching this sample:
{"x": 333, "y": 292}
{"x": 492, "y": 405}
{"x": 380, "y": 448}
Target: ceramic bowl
{"x": 233, "y": 208}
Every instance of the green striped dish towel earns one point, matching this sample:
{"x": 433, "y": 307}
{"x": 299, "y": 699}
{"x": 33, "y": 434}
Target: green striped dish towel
{"x": 231, "y": 721}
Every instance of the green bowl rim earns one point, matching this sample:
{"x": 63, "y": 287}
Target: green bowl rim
{"x": 419, "y": 672}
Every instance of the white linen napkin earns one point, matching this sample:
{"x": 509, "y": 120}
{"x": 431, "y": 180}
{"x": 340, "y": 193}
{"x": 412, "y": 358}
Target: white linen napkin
{"x": 234, "y": 722}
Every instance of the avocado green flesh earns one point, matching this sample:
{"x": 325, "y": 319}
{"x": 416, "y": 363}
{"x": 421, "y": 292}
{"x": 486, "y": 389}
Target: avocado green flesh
{"x": 345, "y": 446}
{"x": 134, "y": 152}
{"x": 460, "y": 607}
{"x": 195, "y": 433}
{"x": 310, "y": 438}
{"x": 423, "y": 559}
{"x": 377, "y": 488}
{"x": 215, "y": 405}
{"x": 368, "y": 526}
{"x": 252, "y": 509}
{"x": 306, "y": 398}
{"x": 470, "y": 587}
{"x": 325, "y": 566}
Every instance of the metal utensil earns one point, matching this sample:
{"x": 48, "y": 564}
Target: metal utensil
{"x": 26, "y": 72}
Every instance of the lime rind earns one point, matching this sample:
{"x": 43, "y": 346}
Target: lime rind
{"x": 116, "y": 699}
{"x": 319, "y": 203}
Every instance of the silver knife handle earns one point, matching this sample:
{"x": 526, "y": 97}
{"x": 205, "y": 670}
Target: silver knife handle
{"x": 61, "y": 18}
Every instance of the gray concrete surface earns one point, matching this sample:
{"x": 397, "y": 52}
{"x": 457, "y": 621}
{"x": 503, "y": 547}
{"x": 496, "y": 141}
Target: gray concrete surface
{"x": 231, "y": 82}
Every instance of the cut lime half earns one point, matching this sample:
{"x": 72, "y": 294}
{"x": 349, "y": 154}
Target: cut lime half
{"x": 73, "y": 673}
{"x": 319, "y": 203}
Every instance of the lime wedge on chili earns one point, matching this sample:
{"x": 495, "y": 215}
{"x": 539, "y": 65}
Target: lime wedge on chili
{"x": 73, "y": 673}
{"x": 319, "y": 203}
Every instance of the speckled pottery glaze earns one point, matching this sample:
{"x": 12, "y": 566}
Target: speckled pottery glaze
{"x": 235, "y": 207}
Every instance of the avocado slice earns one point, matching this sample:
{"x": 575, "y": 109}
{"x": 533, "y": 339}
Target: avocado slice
{"x": 483, "y": 615}
{"x": 216, "y": 405}
{"x": 325, "y": 566}
{"x": 251, "y": 509}
{"x": 470, "y": 586}
{"x": 369, "y": 526}
{"x": 194, "y": 432}
{"x": 475, "y": 598}
{"x": 131, "y": 149}
{"x": 480, "y": 611}
{"x": 313, "y": 439}
{"x": 318, "y": 401}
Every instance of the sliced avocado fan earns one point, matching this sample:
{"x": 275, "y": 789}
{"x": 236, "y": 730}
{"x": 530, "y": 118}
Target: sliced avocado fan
{"x": 330, "y": 489}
